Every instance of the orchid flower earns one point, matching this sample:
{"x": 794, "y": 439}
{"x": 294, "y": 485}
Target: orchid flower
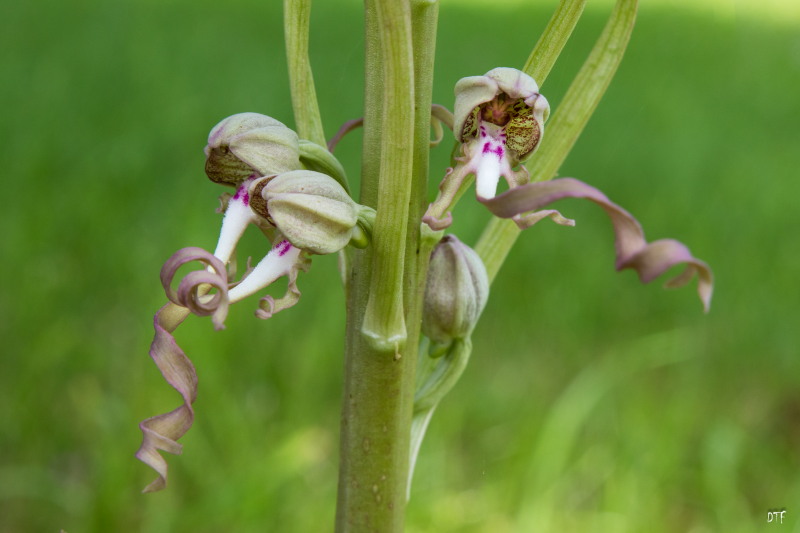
{"x": 303, "y": 212}
{"x": 499, "y": 123}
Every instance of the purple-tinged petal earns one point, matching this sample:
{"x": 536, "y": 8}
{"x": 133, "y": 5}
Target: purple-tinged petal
{"x": 193, "y": 289}
{"x": 161, "y": 432}
{"x": 632, "y": 250}
{"x": 658, "y": 256}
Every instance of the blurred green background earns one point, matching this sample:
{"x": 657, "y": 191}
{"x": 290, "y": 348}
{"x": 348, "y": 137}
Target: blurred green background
{"x": 592, "y": 403}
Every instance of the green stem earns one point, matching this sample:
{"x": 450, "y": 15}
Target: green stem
{"x": 296, "y": 15}
{"x": 424, "y": 18}
{"x": 553, "y": 39}
{"x": 379, "y": 376}
{"x": 384, "y": 322}
{"x": 570, "y": 118}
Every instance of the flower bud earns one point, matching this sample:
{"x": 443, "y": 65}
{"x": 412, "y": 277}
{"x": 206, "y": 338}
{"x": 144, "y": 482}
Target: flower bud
{"x": 456, "y": 291}
{"x": 506, "y": 100}
{"x": 250, "y": 144}
{"x": 310, "y": 209}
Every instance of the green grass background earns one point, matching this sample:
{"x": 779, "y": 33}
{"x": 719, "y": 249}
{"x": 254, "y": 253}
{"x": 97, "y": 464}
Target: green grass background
{"x": 591, "y": 403}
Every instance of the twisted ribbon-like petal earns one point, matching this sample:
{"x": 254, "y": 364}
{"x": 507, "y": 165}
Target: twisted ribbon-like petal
{"x": 650, "y": 260}
{"x": 161, "y": 432}
{"x": 193, "y": 289}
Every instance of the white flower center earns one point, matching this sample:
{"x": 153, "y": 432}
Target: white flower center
{"x": 490, "y": 160}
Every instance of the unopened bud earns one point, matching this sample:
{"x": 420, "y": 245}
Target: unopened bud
{"x": 456, "y": 291}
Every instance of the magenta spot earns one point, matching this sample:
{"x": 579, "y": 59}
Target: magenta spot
{"x": 283, "y": 248}
{"x": 498, "y": 151}
{"x": 241, "y": 194}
